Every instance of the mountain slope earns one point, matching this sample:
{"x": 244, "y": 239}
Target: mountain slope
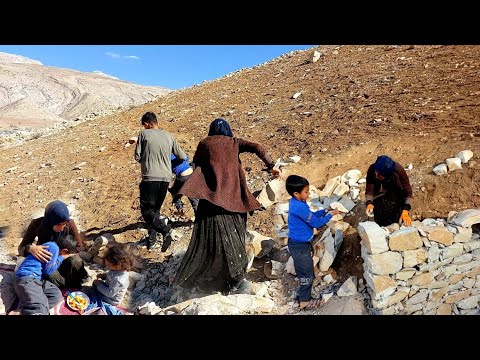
{"x": 418, "y": 104}
{"x": 61, "y": 94}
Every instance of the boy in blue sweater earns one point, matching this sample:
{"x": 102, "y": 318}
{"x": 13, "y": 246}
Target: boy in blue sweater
{"x": 37, "y": 295}
{"x": 301, "y": 222}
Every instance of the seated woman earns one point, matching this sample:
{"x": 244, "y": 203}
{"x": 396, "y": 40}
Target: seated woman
{"x": 54, "y": 223}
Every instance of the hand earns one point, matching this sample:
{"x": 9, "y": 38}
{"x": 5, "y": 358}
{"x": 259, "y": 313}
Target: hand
{"x": 405, "y": 217}
{"x": 100, "y": 276}
{"x": 275, "y": 172}
{"x": 335, "y": 212}
{"x": 369, "y": 210}
{"x": 40, "y": 252}
{"x": 96, "y": 282}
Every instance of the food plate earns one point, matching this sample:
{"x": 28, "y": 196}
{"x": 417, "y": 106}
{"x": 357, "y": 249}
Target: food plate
{"x": 81, "y": 297}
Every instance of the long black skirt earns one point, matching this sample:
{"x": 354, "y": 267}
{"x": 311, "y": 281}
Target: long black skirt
{"x": 216, "y": 259}
{"x": 388, "y": 208}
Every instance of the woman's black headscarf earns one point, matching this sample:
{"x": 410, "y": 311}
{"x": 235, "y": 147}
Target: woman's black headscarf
{"x": 385, "y": 166}
{"x": 55, "y": 213}
{"x": 220, "y": 127}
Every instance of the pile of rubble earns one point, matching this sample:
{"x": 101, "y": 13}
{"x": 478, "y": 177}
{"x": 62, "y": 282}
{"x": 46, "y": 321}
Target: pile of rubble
{"x": 452, "y": 164}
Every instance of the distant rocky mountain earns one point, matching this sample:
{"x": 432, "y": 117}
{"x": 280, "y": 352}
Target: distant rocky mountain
{"x": 35, "y": 96}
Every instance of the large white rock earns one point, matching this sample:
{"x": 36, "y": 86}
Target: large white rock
{"x": 347, "y": 203}
{"x": 338, "y": 206}
{"x": 349, "y": 287}
{"x": 353, "y": 174}
{"x": 441, "y": 169}
{"x": 315, "y": 56}
{"x": 405, "y": 239}
{"x": 384, "y": 264}
{"x": 465, "y": 155}
{"x": 290, "y": 266}
{"x": 382, "y": 285}
{"x": 329, "y": 255}
{"x": 228, "y": 305}
{"x": 273, "y": 192}
{"x": 373, "y": 237}
{"x": 440, "y": 234}
{"x": 341, "y": 189}
{"x": 262, "y": 245}
{"x": 330, "y": 186}
{"x": 467, "y": 218}
{"x": 454, "y": 164}
{"x": 412, "y": 258}
{"x": 452, "y": 251}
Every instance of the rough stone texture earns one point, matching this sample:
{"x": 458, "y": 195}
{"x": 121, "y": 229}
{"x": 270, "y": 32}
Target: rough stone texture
{"x": 438, "y": 294}
{"x": 228, "y": 305}
{"x": 454, "y": 164}
{"x": 433, "y": 253}
{"x": 444, "y": 309}
{"x": 262, "y": 245}
{"x": 441, "y": 235}
{"x": 390, "y": 301}
{"x": 452, "y": 251}
{"x": 455, "y": 278}
{"x": 468, "y": 303}
{"x": 467, "y": 218}
{"x": 413, "y": 257}
{"x": 405, "y": 239}
{"x": 382, "y": 285}
{"x": 462, "y": 259}
{"x": 440, "y": 169}
{"x": 349, "y": 287}
{"x": 383, "y": 264}
{"x": 421, "y": 296}
{"x": 458, "y": 296}
{"x": 471, "y": 245}
{"x": 405, "y": 274}
{"x": 373, "y": 237}
{"x": 422, "y": 279}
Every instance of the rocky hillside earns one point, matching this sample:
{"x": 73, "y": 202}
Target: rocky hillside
{"x": 33, "y": 95}
{"x": 418, "y": 104}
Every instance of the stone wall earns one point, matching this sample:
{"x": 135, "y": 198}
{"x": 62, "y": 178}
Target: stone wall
{"x": 430, "y": 268}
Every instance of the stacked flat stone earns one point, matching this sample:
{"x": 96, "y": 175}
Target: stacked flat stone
{"x": 432, "y": 267}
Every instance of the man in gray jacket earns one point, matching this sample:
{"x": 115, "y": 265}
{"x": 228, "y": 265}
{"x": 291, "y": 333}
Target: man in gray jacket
{"x": 153, "y": 150}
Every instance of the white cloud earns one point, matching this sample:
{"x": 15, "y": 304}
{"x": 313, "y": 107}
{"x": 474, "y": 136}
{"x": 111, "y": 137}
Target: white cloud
{"x": 113, "y": 55}
{"x": 118, "y": 56}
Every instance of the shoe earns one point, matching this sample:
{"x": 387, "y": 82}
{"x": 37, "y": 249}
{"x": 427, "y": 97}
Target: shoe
{"x": 244, "y": 287}
{"x": 167, "y": 239}
{"x": 151, "y": 239}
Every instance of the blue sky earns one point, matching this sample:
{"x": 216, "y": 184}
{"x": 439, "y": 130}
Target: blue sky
{"x": 170, "y": 66}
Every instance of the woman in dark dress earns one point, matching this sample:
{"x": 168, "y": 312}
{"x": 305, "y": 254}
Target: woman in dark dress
{"x": 56, "y": 222}
{"x": 216, "y": 259}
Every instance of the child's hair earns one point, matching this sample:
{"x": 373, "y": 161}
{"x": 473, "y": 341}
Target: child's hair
{"x": 295, "y": 183}
{"x": 149, "y": 117}
{"x": 117, "y": 255}
{"x": 67, "y": 242}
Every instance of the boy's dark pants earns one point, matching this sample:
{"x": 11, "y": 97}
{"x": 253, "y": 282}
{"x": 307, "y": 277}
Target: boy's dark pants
{"x": 152, "y": 195}
{"x": 177, "y": 198}
{"x": 36, "y": 296}
{"x": 70, "y": 274}
{"x": 302, "y": 258}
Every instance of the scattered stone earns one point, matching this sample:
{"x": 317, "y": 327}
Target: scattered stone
{"x": 349, "y": 287}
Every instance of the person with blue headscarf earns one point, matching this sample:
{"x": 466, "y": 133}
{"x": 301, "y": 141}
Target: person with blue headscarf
{"x": 216, "y": 259}
{"x": 388, "y": 193}
{"x": 56, "y": 222}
